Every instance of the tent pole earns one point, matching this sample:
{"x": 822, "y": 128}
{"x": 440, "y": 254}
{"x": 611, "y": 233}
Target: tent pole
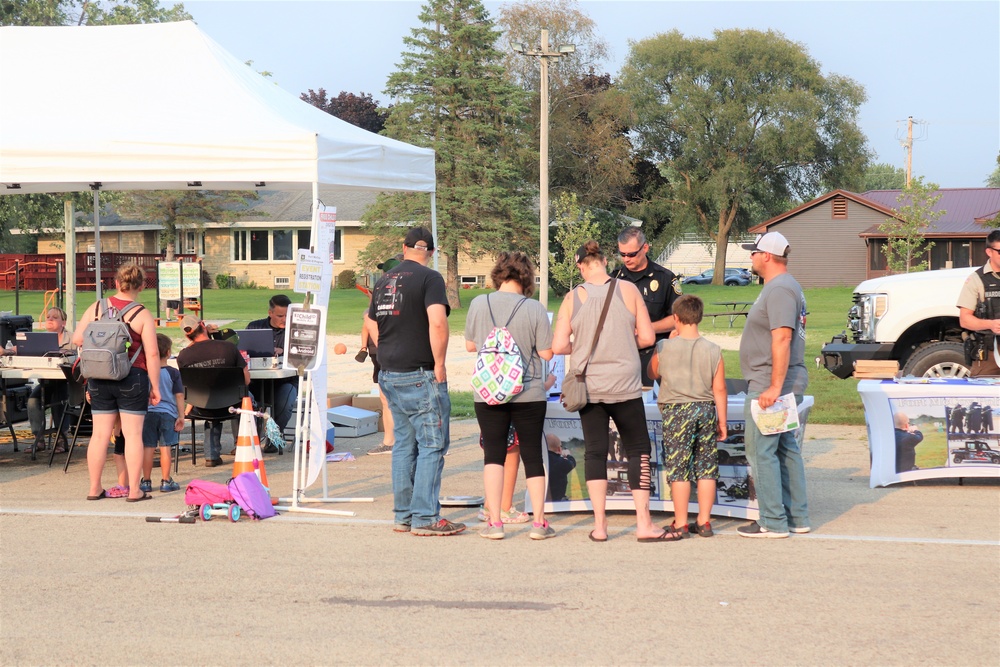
{"x": 70, "y": 273}
{"x": 434, "y": 226}
{"x": 97, "y": 238}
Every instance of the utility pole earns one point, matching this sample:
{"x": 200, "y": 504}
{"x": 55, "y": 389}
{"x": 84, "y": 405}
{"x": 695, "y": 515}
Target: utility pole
{"x": 907, "y": 143}
{"x": 544, "y": 54}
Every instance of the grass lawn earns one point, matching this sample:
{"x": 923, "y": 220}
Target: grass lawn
{"x": 837, "y": 401}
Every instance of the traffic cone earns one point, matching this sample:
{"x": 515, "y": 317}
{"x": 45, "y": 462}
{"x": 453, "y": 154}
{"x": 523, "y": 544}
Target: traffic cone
{"x": 249, "y": 458}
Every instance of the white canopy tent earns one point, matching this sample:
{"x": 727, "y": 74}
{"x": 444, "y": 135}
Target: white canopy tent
{"x": 163, "y": 107}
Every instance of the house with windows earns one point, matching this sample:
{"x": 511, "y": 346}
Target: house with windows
{"x": 259, "y": 247}
{"x": 835, "y": 239}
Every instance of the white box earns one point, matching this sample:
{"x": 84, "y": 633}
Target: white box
{"x": 351, "y": 422}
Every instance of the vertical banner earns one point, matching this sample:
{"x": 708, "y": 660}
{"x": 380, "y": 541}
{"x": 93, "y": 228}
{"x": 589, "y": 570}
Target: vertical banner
{"x": 324, "y": 238}
{"x": 169, "y": 281}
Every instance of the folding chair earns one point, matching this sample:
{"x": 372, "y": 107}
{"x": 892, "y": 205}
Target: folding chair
{"x": 76, "y": 408}
{"x": 211, "y": 392}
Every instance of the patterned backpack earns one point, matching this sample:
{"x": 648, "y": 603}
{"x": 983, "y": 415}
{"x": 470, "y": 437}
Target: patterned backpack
{"x": 499, "y": 373}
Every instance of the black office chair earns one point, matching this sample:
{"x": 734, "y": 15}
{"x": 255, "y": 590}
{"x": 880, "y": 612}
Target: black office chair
{"x": 211, "y": 392}
{"x": 77, "y": 408}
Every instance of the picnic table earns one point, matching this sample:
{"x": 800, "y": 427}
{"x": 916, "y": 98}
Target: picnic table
{"x": 730, "y": 309}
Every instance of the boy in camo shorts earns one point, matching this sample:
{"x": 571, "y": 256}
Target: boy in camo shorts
{"x": 692, "y": 401}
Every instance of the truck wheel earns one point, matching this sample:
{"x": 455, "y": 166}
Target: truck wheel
{"x": 938, "y": 359}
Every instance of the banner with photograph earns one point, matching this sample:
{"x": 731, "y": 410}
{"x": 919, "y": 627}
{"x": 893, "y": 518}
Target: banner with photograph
{"x": 930, "y": 428}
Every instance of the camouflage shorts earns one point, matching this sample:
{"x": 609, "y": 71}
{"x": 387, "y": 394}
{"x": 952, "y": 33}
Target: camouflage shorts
{"x": 689, "y": 449}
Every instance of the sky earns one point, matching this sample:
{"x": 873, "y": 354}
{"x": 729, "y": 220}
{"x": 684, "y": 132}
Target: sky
{"x": 938, "y": 62}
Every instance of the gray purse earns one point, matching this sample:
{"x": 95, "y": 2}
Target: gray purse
{"x": 574, "y": 386}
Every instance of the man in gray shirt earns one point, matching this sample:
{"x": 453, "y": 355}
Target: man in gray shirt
{"x": 772, "y": 358}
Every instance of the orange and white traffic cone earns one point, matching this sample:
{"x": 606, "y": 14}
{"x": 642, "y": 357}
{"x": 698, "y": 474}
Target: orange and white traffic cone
{"x": 249, "y": 458}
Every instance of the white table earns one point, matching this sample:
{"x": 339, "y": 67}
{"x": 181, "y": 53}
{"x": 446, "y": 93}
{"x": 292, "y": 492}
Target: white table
{"x": 944, "y": 451}
{"x": 734, "y": 496}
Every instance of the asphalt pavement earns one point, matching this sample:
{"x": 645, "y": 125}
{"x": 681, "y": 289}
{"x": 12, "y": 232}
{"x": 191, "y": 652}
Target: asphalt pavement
{"x": 906, "y": 575}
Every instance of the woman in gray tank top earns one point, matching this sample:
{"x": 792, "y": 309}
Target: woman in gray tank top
{"x": 614, "y": 384}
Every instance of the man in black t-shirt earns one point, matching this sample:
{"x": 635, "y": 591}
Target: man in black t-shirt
{"x": 410, "y": 308}
{"x": 659, "y": 288}
{"x": 286, "y": 390}
{"x": 204, "y": 352}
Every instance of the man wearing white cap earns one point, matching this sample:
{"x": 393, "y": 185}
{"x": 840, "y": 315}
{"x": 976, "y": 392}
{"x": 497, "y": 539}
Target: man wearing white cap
{"x": 772, "y": 358}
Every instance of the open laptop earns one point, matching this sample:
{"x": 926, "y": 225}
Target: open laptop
{"x": 256, "y": 342}
{"x": 37, "y": 343}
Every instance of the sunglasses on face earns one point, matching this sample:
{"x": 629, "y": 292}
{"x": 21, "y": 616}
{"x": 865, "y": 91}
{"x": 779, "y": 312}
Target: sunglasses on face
{"x": 629, "y": 254}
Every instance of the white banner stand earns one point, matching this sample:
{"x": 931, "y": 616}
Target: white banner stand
{"x": 300, "y": 464}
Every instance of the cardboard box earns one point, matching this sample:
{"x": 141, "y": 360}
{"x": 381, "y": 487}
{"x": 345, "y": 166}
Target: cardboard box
{"x": 371, "y": 403}
{"x": 351, "y": 422}
{"x": 334, "y": 400}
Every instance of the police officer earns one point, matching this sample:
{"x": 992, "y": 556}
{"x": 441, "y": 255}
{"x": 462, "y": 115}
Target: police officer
{"x": 979, "y": 309}
{"x": 658, "y": 286}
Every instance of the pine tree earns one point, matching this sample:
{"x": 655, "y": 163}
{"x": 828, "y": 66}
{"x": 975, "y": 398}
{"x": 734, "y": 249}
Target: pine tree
{"x": 450, "y": 94}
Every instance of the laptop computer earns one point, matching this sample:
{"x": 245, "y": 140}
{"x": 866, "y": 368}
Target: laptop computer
{"x": 37, "y": 343}
{"x": 256, "y": 342}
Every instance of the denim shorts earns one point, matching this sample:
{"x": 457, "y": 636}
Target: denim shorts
{"x": 129, "y": 395}
{"x": 158, "y": 427}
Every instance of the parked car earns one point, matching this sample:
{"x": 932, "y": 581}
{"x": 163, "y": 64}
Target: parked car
{"x": 733, "y": 277}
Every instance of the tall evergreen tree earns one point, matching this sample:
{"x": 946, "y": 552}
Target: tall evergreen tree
{"x": 450, "y": 94}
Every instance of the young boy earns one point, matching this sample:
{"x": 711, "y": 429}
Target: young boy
{"x": 692, "y": 401}
{"x": 164, "y": 421}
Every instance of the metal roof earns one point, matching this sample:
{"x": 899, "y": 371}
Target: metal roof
{"x": 962, "y": 207}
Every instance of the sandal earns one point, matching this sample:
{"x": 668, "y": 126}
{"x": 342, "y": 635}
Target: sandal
{"x": 705, "y": 529}
{"x": 670, "y": 534}
{"x": 117, "y": 491}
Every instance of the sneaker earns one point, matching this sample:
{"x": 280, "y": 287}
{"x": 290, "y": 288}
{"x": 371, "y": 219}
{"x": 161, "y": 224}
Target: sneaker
{"x": 799, "y": 530}
{"x": 705, "y": 529}
{"x": 492, "y": 531}
{"x": 213, "y": 463}
{"x": 168, "y": 485}
{"x": 400, "y": 527}
{"x": 756, "y": 530}
{"x": 541, "y": 531}
{"x": 442, "y": 527}
{"x": 513, "y": 515}
{"x": 146, "y": 485}
{"x": 381, "y": 449}
{"x": 483, "y": 515}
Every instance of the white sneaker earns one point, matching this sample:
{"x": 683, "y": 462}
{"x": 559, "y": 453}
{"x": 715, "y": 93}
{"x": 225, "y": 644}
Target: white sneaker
{"x": 492, "y": 531}
{"x": 799, "y": 530}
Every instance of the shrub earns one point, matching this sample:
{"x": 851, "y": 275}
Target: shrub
{"x": 347, "y": 279}
{"x": 222, "y": 281}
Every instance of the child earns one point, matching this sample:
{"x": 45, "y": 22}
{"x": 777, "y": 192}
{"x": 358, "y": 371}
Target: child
{"x": 692, "y": 377}
{"x": 163, "y": 422}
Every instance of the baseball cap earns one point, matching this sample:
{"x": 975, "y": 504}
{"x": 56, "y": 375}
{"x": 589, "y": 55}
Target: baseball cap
{"x": 772, "y": 242}
{"x": 419, "y": 234}
{"x": 189, "y": 323}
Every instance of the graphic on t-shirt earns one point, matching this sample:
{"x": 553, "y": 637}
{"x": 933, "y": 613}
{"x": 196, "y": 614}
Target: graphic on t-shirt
{"x": 390, "y": 297}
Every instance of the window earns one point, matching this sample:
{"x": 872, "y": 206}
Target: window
{"x": 876, "y": 255}
{"x": 283, "y": 244}
{"x": 194, "y": 243}
{"x": 277, "y": 245}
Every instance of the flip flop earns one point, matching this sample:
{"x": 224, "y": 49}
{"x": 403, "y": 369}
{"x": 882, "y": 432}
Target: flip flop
{"x": 669, "y": 535}
{"x": 596, "y": 539}
{"x": 144, "y": 496}
{"x": 103, "y": 494}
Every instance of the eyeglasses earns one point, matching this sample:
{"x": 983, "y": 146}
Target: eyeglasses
{"x": 989, "y": 247}
{"x": 629, "y": 254}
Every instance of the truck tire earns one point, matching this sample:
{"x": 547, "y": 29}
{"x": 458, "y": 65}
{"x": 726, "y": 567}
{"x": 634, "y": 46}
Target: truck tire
{"x": 938, "y": 359}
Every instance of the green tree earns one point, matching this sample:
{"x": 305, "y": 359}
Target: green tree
{"x": 451, "y": 95}
{"x": 359, "y": 110}
{"x": 883, "y": 176}
{"x": 42, "y": 211}
{"x": 905, "y": 233}
{"x": 575, "y": 226}
{"x": 179, "y": 208}
{"x": 743, "y": 119}
{"x": 993, "y": 180}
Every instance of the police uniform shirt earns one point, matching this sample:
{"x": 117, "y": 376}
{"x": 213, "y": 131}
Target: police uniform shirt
{"x": 973, "y": 291}
{"x": 659, "y": 288}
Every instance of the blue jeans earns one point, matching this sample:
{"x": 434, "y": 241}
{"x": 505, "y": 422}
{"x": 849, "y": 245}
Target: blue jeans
{"x": 779, "y": 474}
{"x": 421, "y": 410}
{"x": 285, "y": 395}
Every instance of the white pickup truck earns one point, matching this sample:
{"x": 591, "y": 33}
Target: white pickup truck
{"x": 911, "y": 318}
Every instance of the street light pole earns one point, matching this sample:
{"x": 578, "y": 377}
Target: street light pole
{"x": 544, "y": 54}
